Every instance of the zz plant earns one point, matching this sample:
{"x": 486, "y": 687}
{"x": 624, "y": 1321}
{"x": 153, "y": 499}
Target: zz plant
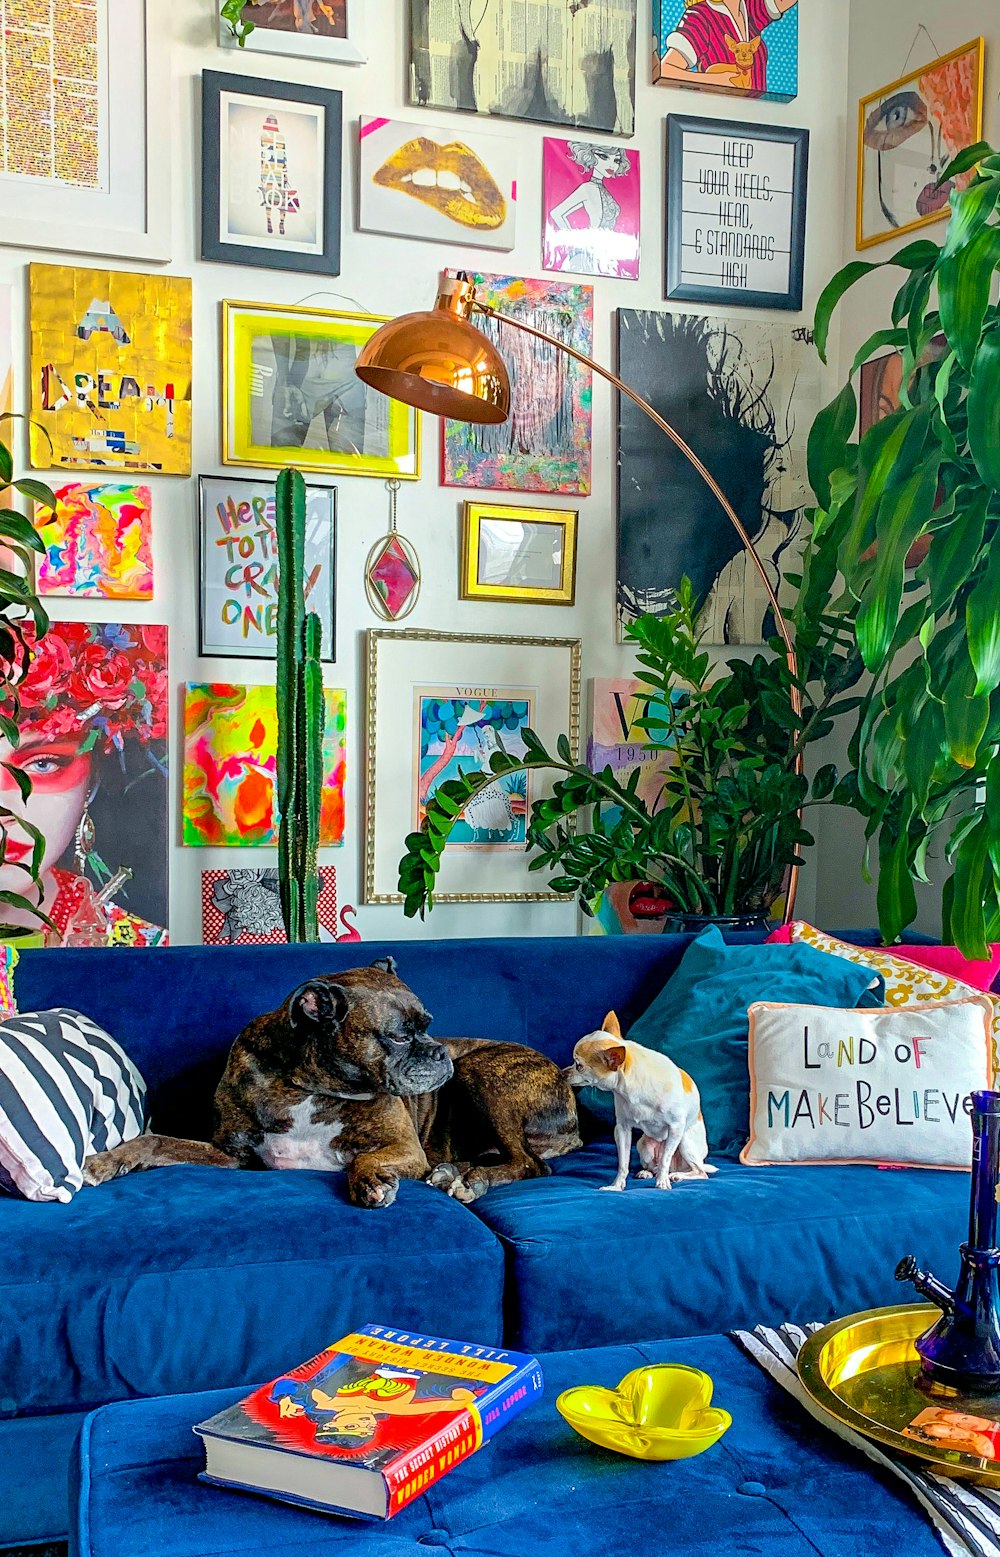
{"x": 727, "y": 824}
{"x": 925, "y": 482}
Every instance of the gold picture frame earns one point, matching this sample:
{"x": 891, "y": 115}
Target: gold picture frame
{"x": 403, "y": 669}
{"x": 323, "y": 420}
{"x": 937, "y": 110}
{"x": 541, "y": 545}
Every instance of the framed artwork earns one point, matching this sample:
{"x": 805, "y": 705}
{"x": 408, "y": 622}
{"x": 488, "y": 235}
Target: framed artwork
{"x": 881, "y": 385}
{"x": 907, "y": 134}
{"x": 110, "y": 370}
{"x": 736, "y": 212}
{"x": 750, "y": 50}
{"x": 426, "y": 181}
{"x": 243, "y": 907}
{"x": 423, "y": 725}
{"x": 82, "y": 148}
{"x": 745, "y": 392}
{"x": 616, "y": 741}
{"x": 230, "y": 760}
{"x": 590, "y": 209}
{"x": 544, "y": 446}
{"x": 545, "y": 60}
{"x": 6, "y": 349}
{"x": 525, "y": 555}
{"x": 239, "y": 567}
{"x": 97, "y": 542}
{"x": 270, "y": 174}
{"x": 329, "y": 30}
{"x": 291, "y": 396}
{"x": 93, "y": 726}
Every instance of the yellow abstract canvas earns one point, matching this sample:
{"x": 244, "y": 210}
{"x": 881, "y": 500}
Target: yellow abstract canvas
{"x": 110, "y": 370}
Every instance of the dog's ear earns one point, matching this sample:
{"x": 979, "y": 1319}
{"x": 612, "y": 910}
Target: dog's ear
{"x": 317, "y": 1003}
{"x": 614, "y": 1056}
{"x": 612, "y": 1025}
{"x": 387, "y": 964}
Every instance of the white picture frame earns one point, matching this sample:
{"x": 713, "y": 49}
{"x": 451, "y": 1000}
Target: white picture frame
{"x": 405, "y": 670}
{"x": 295, "y": 45}
{"x": 129, "y": 217}
{"x": 489, "y": 165}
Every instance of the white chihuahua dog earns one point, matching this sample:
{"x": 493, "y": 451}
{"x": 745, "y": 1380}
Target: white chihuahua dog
{"x": 651, "y": 1094}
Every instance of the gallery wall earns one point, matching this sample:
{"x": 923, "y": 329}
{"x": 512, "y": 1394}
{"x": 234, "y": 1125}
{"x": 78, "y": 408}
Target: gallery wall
{"x": 386, "y": 276}
{"x": 887, "y": 41}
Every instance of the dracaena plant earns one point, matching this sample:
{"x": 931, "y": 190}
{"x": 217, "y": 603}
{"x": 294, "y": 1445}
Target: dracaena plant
{"x": 924, "y": 482}
{"x": 19, "y": 608}
{"x": 727, "y": 824}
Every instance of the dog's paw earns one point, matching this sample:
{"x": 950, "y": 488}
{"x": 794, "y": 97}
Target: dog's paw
{"x": 664, "y": 1184}
{"x": 645, "y": 1173}
{"x": 375, "y": 1191}
{"x": 469, "y": 1187}
{"x": 103, "y": 1167}
{"x": 619, "y": 1184}
{"x": 444, "y": 1176}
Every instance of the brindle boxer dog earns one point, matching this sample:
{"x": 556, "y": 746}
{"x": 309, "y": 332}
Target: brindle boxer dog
{"x": 343, "y": 1075}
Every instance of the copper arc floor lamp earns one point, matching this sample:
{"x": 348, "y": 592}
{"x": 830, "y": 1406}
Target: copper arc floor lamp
{"x": 439, "y": 362}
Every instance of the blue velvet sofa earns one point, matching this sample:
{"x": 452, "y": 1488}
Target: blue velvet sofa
{"x": 195, "y": 1278}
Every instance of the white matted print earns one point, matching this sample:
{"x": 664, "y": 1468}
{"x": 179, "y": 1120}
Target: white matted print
{"x": 432, "y": 181}
{"x": 271, "y": 174}
{"x": 239, "y": 566}
{"x": 328, "y": 30}
{"x": 419, "y": 714}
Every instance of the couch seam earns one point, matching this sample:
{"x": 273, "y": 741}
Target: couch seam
{"x": 82, "y": 1510}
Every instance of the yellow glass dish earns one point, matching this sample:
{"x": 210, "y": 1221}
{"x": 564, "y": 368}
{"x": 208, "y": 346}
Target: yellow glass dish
{"x": 663, "y": 1412}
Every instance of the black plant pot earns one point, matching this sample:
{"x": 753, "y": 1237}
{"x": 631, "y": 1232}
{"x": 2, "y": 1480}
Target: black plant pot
{"x": 676, "y": 923}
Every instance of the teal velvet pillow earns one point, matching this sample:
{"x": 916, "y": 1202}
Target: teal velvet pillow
{"x": 699, "y": 1019}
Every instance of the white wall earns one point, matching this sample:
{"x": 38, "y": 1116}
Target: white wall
{"x": 885, "y": 44}
{"x": 385, "y": 275}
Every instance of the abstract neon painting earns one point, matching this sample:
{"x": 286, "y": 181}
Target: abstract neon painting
{"x": 230, "y": 758}
{"x": 97, "y": 543}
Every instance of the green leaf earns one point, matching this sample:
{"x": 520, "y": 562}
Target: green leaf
{"x": 6, "y": 465}
{"x": 968, "y": 157}
{"x": 15, "y": 527}
{"x": 984, "y": 409}
{"x": 923, "y": 745}
{"x": 966, "y": 715}
{"x": 36, "y": 490}
{"x": 964, "y": 283}
{"x": 828, "y": 439}
{"x": 971, "y": 208}
{"x": 896, "y": 897}
{"x": 982, "y": 624}
{"x": 921, "y": 255}
{"x": 903, "y": 513}
{"x": 956, "y": 548}
{"x": 967, "y": 922}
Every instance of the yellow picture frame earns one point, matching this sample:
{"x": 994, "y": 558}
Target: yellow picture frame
{"x": 479, "y": 518}
{"x": 919, "y": 93}
{"x": 262, "y": 342}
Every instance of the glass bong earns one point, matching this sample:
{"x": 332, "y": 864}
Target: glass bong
{"x": 961, "y": 1350}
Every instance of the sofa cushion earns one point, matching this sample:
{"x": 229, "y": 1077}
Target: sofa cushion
{"x": 749, "y": 1245}
{"x": 197, "y": 1278}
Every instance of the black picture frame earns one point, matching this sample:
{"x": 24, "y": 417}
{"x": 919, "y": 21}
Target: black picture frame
{"x": 250, "y": 486}
{"x": 265, "y": 255}
{"x": 742, "y": 194}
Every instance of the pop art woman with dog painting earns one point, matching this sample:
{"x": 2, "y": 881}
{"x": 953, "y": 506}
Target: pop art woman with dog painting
{"x": 93, "y": 733}
{"x": 722, "y": 45}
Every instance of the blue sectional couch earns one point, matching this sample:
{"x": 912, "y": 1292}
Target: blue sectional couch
{"x": 195, "y": 1278}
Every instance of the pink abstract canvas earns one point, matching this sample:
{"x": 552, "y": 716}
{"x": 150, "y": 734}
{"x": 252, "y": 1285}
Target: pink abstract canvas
{"x": 591, "y": 209}
{"x": 97, "y": 542}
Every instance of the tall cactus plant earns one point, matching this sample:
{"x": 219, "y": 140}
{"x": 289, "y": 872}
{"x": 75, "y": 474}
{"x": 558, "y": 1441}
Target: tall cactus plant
{"x": 301, "y": 713}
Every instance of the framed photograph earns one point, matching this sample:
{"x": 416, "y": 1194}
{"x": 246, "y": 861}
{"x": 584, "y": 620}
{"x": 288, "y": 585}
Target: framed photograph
{"x": 110, "y": 370}
{"x": 328, "y": 30}
{"x": 239, "y": 567}
{"x": 745, "y": 391}
{"x": 426, "y": 181}
{"x": 270, "y": 180}
{"x": 291, "y": 396}
{"x": 84, "y": 161}
{"x": 554, "y": 63}
{"x": 907, "y": 134}
{"x": 423, "y": 725}
{"x": 708, "y": 46}
{"x": 525, "y": 555}
{"x": 590, "y": 209}
{"x": 544, "y": 445}
{"x": 736, "y": 212}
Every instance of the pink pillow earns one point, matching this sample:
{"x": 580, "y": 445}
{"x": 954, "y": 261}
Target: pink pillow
{"x": 940, "y": 959}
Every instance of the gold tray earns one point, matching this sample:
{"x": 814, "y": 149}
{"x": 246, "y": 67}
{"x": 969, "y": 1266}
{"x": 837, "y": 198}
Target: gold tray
{"x": 863, "y": 1371}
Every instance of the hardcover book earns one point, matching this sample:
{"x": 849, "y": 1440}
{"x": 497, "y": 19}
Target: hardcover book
{"x": 369, "y": 1424}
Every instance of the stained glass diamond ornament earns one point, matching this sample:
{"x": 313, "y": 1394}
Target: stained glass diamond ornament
{"x": 392, "y": 572}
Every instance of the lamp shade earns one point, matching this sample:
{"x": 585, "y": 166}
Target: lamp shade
{"x": 438, "y": 362}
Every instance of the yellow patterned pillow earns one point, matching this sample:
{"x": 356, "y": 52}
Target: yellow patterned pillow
{"x": 906, "y": 984}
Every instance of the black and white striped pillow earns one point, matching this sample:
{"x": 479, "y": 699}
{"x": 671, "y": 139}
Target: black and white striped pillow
{"x": 67, "y": 1089}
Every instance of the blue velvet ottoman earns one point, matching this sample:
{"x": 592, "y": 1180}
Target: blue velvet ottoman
{"x": 777, "y": 1483}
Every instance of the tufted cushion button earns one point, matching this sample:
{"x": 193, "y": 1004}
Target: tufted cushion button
{"x": 440, "y": 1537}
{"x": 752, "y": 1489}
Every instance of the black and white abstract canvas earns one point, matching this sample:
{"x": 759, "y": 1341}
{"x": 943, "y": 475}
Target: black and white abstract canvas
{"x": 555, "y": 61}
{"x": 743, "y": 395}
